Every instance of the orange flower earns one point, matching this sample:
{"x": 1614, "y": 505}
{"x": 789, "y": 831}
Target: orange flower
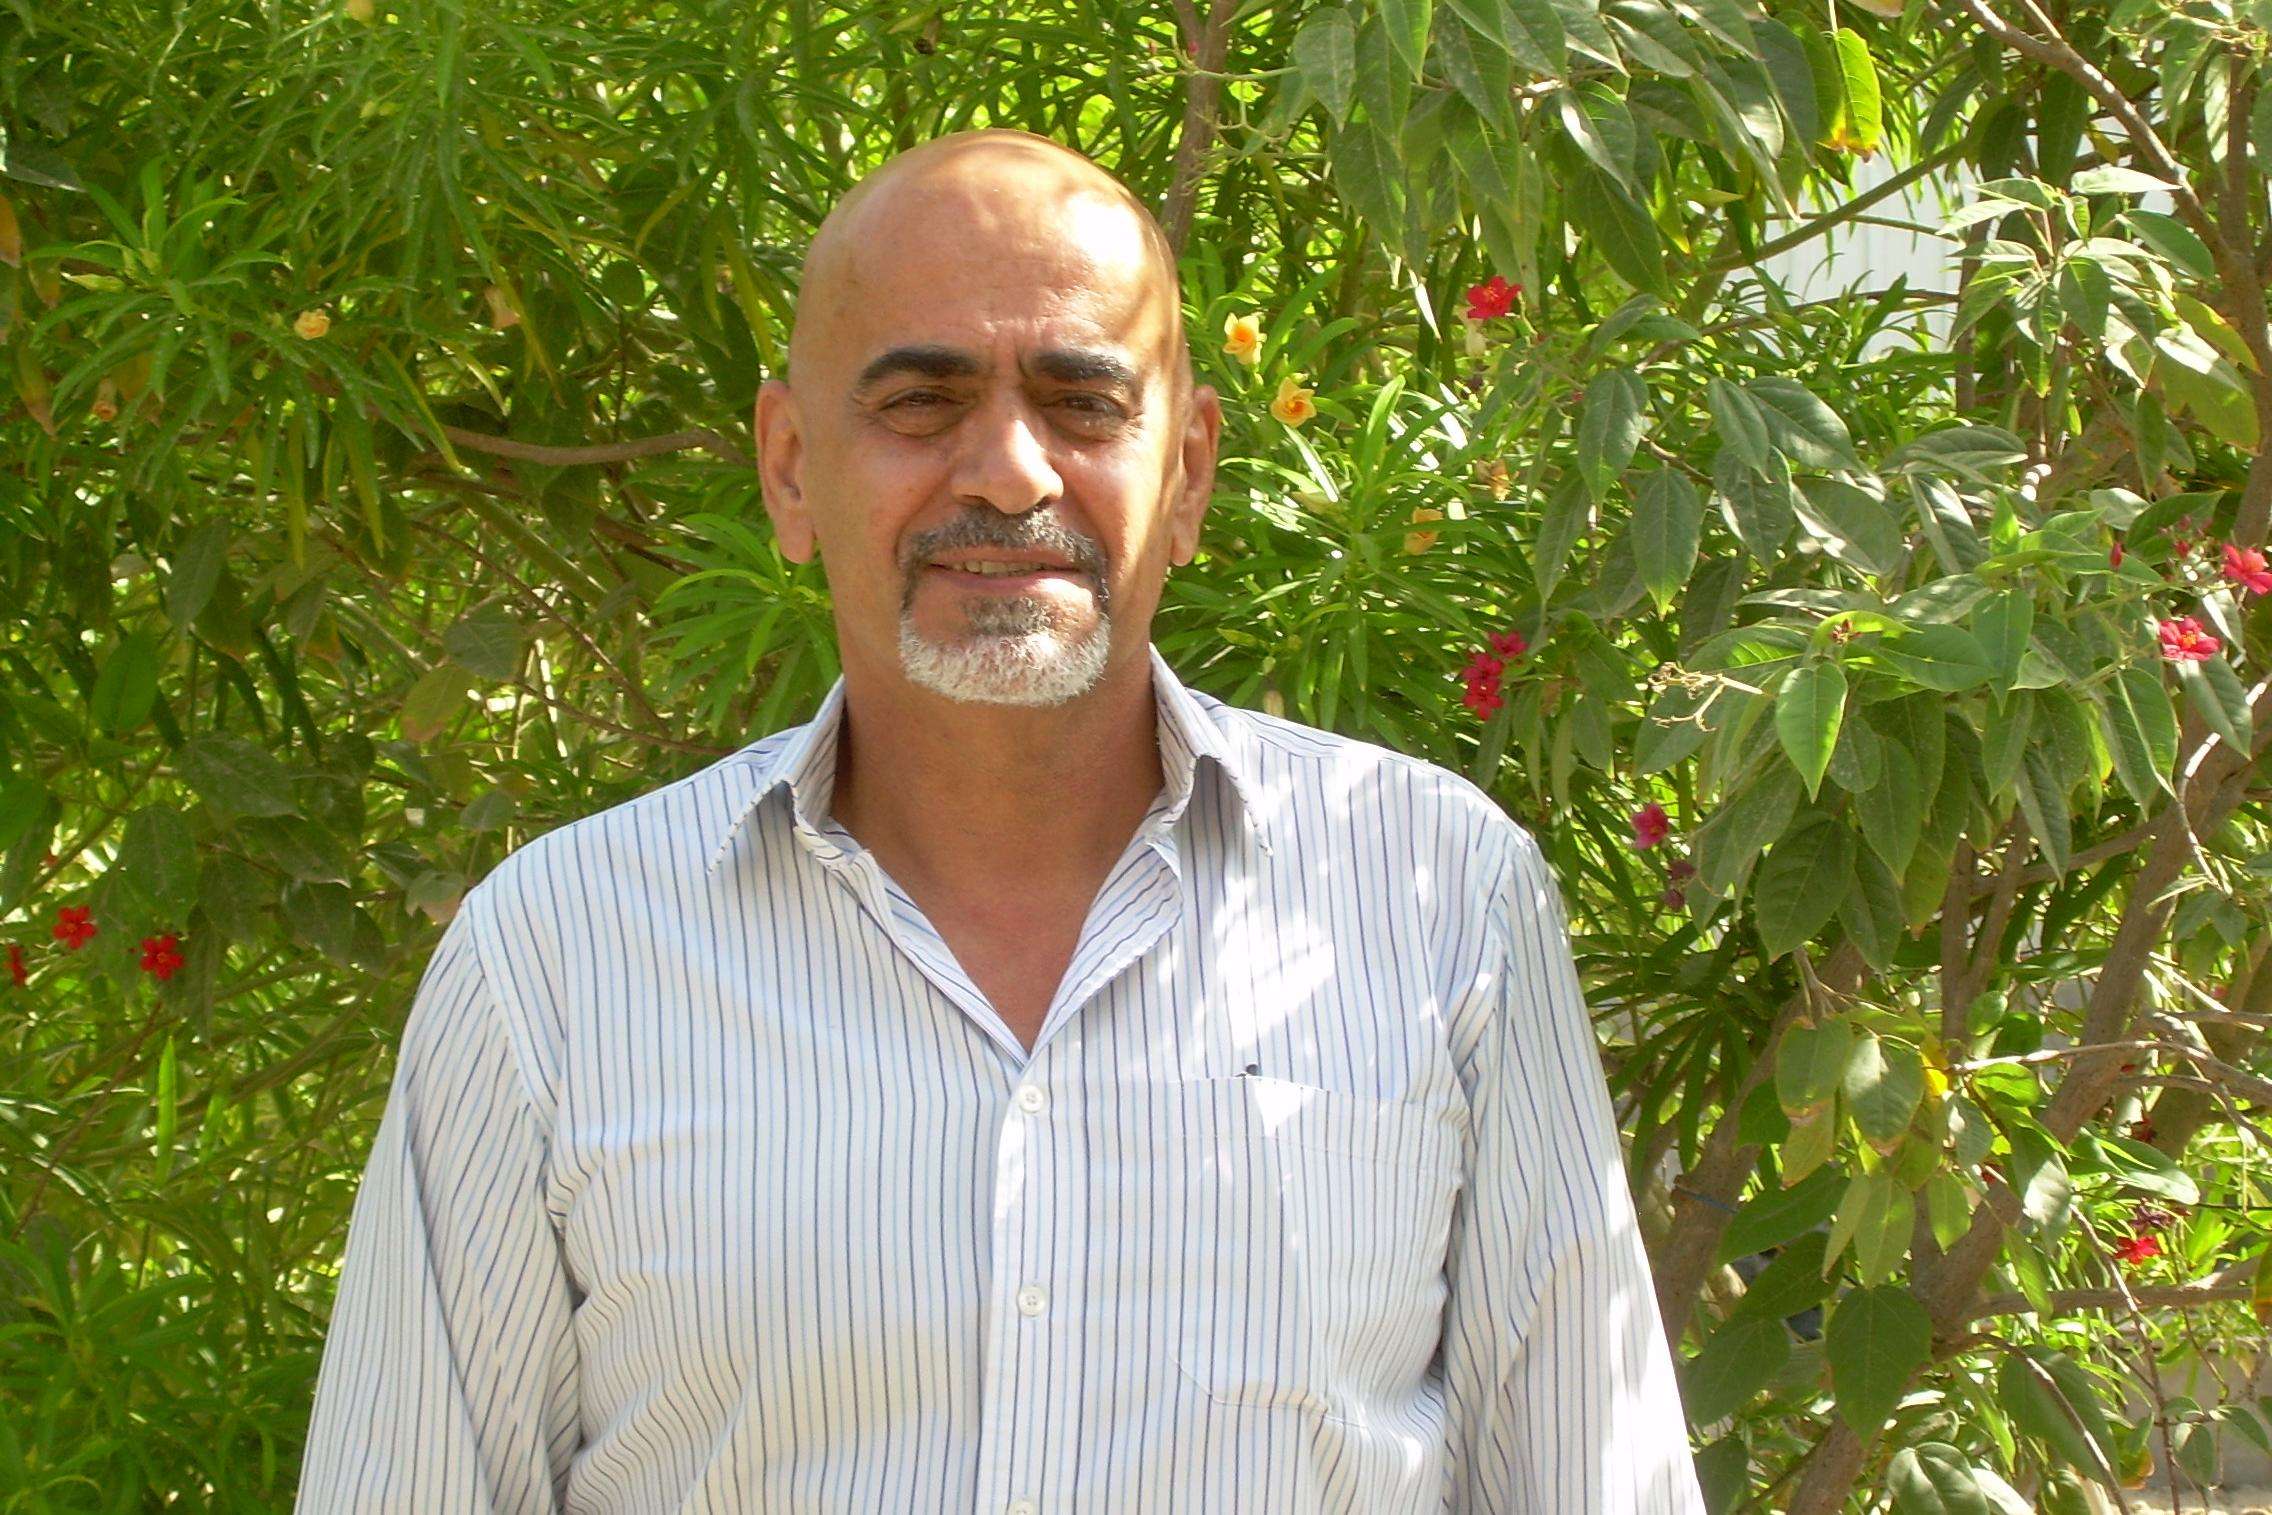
{"x": 312, "y": 324}
{"x": 1293, "y": 405}
{"x": 1242, "y": 338}
{"x": 1417, "y": 540}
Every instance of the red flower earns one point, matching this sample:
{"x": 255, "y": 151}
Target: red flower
{"x": 1674, "y": 899}
{"x": 17, "y": 972}
{"x": 2138, "y": 1249}
{"x": 1494, "y": 297}
{"x": 2245, "y": 567}
{"x": 1508, "y": 644}
{"x": 72, "y": 928}
{"x": 2183, "y": 641}
{"x": 2114, "y": 554}
{"x": 1680, "y": 868}
{"x": 1482, "y": 674}
{"x": 2152, "y": 1217}
{"x": 161, "y": 955}
{"x": 1650, "y": 825}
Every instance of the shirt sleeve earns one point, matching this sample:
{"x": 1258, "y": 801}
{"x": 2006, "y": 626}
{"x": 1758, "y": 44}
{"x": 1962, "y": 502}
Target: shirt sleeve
{"x": 1559, "y": 1385}
{"x": 448, "y": 1383}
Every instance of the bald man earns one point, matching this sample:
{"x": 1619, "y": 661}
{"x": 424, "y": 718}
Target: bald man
{"x": 1031, "y": 1085}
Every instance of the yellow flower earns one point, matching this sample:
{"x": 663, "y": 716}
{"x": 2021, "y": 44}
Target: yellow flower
{"x": 1421, "y": 541}
{"x": 312, "y": 324}
{"x": 1492, "y": 474}
{"x": 1293, "y": 403}
{"x": 1242, "y": 338}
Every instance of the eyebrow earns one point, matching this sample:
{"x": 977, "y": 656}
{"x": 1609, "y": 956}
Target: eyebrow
{"x": 1067, "y": 365}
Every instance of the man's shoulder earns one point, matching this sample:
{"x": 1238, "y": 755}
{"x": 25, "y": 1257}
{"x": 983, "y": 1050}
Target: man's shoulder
{"x": 680, "y": 821}
{"x": 1289, "y": 757}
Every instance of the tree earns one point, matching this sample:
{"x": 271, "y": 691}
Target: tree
{"x": 1890, "y": 695}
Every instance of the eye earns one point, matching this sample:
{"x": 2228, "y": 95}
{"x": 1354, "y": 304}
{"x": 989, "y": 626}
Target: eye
{"x": 913, "y": 397}
{"x": 1093, "y": 404}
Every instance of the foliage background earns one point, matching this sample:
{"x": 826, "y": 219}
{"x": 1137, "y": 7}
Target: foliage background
{"x": 376, "y": 494}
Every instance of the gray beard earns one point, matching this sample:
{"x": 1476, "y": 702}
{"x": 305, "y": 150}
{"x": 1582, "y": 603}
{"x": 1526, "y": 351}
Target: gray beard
{"x": 1011, "y": 654}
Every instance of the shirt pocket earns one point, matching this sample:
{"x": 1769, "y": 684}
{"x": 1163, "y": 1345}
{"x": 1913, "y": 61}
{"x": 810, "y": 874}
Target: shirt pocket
{"x": 1311, "y": 1225}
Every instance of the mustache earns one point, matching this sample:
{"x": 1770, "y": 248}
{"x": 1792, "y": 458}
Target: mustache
{"x": 1032, "y": 532}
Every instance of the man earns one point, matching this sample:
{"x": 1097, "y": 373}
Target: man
{"x": 1031, "y": 1086}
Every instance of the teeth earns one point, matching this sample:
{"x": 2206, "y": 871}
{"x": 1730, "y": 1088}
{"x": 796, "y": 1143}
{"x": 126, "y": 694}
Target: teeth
{"x": 999, "y": 568}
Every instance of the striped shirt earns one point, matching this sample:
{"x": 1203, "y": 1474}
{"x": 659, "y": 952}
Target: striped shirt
{"x": 709, "y": 1182}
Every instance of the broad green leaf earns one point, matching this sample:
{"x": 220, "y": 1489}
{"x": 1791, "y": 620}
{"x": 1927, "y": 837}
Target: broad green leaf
{"x": 157, "y": 860}
{"x": 2219, "y": 698}
{"x": 1736, "y": 1363}
{"x": 1407, "y": 22}
{"x": 127, "y": 687}
{"x": 437, "y": 698}
{"x": 1611, "y": 421}
{"x": 1799, "y": 887}
{"x": 2043, "y": 799}
{"x": 1668, "y": 521}
{"x": 1758, "y": 506}
{"x": 2005, "y": 742}
{"x": 1325, "y": 56}
{"x": 1793, "y": 1282}
{"x": 194, "y": 568}
{"x": 1949, "y": 528}
{"x": 1853, "y": 526}
{"x": 1811, "y": 1063}
{"x": 1802, "y": 428}
{"x": 1892, "y": 811}
{"x": 1871, "y": 911}
{"x": 1948, "y": 1209}
{"x": 1876, "y": 1339}
{"x": 1618, "y": 226}
{"x": 2148, "y": 1169}
{"x": 487, "y": 641}
{"x": 1934, "y": 1479}
{"x": 2054, "y": 1401}
{"x": 1884, "y": 1083}
{"x": 1947, "y": 658}
{"x": 1777, "y": 1214}
{"x": 1366, "y": 168}
{"x": 1564, "y": 517}
{"x": 1808, "y": 710}
{"x": 1737, "y": 420}
{"x": 2005, "y": 623}
{"x": 1744, "y": 823}
{"x": 1859, "y": 126}
{"x": 235, "y": 777}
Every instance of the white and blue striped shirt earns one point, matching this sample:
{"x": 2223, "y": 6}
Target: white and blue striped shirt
{"x": 708, "y": 1182}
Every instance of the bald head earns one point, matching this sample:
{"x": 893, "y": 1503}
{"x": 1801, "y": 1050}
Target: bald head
{"x": 967, "y": 192}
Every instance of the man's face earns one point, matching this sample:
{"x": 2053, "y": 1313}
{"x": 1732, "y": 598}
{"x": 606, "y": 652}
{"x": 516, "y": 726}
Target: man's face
{"x": 982, "y": 438}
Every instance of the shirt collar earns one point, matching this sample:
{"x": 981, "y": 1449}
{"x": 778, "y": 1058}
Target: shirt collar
{"x": 803, "y": 758}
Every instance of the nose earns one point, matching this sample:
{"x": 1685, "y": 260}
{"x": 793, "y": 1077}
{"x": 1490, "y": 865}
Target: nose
{"x": 1004, "y": 459}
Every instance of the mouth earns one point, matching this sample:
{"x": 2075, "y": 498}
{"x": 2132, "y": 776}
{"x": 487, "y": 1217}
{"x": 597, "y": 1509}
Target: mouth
{"x": 1005, "y": 574}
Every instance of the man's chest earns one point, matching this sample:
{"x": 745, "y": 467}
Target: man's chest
{"x": 789, "y": 1169}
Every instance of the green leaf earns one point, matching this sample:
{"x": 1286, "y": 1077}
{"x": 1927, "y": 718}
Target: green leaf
{"x": 1407, "y": 22}
{"x": 1746, "y": 822}
{"x": 1853, "y": 526}
{"x": 1884, "y": 1083}
{"x": 2043, "y": 799}
{"x": 1800, "y": 885}
{"x": 1859, "y": 126}
{"x": 1802, "y": 428}
{"x": 436, "y": 699}
{"x": 1777, "y": 1214}
{"x": 1871, "y": 911}
{"x": 1877, "y": 1338}
{"x": 1877, "y": 1216}
{"x": 1758, "y": 506}
{"x": 1794, "y": 1281}
{"x": 2040, "y": 1173}
{"x": 127, "y": 687}
{"x": 194, "y": 568}
{"x": 2141, "y": 731}
{"x": 1736, "y": 418}
{"x": 1811, "y": 1063}
{"x": 1949, "y": 528}
{"x": 1742, "y": 1356}
{"x": 1947, "y": 658}
{"x": 1808, "y": 710}
{"x": 1365, "y": 166}
{"x": 1668, "y": 521}
{"x": 1934, "y": 1479}
{"x": 2006, "y": 622}
{"x": 1611, "y": 421}
{"x": 1567, "y": 513}
{"x": 157, "y": 860}
{"x": 235, "y": 777}
{"x": 1325, "y": 56}
{"x": 1616, "y": 224}
{"x": 2053, "y": 1400}
{"x": 487, "y": 641}
{"x": 169, "y": 1105}
{"x": 1892, "y": 811}
{"x": 2218, "y": 697}
{"x": 2149, "y": 1169}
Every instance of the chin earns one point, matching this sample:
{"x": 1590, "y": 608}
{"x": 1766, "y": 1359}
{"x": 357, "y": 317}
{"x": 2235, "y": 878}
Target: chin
{"x": 1033, "y": 665}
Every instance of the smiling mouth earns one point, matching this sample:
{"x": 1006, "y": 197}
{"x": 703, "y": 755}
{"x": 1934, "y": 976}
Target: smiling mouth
{"x": 1003, "y": 573}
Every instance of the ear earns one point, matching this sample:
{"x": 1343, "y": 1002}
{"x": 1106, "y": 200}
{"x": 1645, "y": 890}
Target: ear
{"x": 780, "y": 469}
{"x": 1202, "y": 436}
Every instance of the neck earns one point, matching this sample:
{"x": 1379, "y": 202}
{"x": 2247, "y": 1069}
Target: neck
{"x": 966, "y": 792}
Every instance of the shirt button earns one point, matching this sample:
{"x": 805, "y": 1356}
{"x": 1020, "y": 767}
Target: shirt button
{"x": 1020, "y": 1507}
{"x": 1033, "y": 1299}
{"x": 1031, "y": 1099}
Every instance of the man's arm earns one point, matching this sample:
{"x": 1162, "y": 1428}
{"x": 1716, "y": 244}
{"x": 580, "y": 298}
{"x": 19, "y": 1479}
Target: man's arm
{"x": 448, "y": 1380}
{"x": 1558, "y": 1381}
